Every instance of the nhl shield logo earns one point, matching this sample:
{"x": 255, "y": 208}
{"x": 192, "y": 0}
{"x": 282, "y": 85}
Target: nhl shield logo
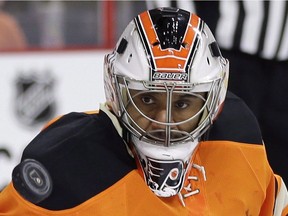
{"x": 35, "y": 100}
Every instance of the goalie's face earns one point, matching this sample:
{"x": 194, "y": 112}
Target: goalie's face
{"x": 165, "y": 116}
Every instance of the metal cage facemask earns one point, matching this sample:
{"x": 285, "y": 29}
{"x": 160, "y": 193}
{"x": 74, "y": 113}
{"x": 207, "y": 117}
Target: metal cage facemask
{"x": 166, "y": 113}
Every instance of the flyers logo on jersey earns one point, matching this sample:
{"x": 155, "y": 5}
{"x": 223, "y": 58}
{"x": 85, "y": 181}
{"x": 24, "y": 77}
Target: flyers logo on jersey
{"x": 170, "y": 40}
{"x": 165, "y": 178}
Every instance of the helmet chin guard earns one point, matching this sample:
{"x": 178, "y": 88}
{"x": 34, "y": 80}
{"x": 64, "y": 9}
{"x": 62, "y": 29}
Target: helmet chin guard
{"x": 164, "y": 168}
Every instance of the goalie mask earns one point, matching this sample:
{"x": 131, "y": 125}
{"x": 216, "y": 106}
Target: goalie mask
{"x": 166, "y": 81}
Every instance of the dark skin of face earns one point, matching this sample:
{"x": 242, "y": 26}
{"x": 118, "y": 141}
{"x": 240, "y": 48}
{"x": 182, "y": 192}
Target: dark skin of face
{"x": 153, "y": 104}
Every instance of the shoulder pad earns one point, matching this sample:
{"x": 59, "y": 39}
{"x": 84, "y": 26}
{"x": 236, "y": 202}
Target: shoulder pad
{"x": 236, "y": 123}
{"x": 79, "y": 149}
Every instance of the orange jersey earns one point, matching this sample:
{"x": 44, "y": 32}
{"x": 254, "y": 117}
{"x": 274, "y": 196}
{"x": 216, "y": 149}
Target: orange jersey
{"x": 93, "y": 174}
{"x": 241, "y": 183}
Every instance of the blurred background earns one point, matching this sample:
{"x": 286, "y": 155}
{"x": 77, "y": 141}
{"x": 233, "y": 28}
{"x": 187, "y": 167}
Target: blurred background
{"x": 72, "y": 24}
{"x": 51, "y": 57}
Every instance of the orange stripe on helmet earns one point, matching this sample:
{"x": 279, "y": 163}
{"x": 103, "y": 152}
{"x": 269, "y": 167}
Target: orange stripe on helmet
{"x": 169, "y": 59}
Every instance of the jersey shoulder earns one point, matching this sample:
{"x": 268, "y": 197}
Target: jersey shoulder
{"x": 83, "y": 153}
{"x": 236, "y": 123}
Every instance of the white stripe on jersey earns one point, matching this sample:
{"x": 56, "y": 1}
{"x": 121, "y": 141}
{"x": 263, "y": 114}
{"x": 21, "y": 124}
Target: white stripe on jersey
{"x": 227, "y": 23}
{"x": 283, "y": 51}
{"x": 252, "y": 26}
{"x": 186, "y": 5}
{"x": 274, "y": 27}
{"x": 159, "y": 3}
{"x": 281, "y": 199}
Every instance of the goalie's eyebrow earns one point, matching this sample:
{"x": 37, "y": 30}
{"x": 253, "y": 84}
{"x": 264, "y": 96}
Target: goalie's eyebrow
{"x": 193, "y": 95}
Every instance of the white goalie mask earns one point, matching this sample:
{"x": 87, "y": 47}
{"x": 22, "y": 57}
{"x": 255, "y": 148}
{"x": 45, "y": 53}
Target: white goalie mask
{"x": 166, "y": 81}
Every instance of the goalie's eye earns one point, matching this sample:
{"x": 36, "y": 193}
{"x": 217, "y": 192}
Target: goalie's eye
{"x": 147, "y": 99}
{"x": 181, "y": 104}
